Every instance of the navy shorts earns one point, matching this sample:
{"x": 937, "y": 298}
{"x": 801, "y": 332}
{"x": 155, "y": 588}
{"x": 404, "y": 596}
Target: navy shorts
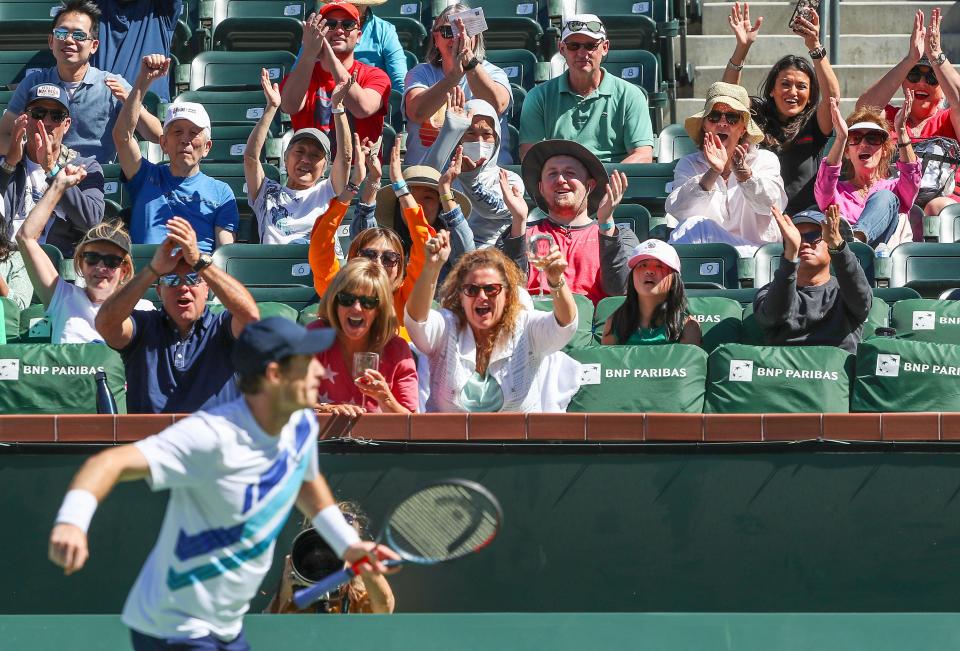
{"x": 143, "y": 642}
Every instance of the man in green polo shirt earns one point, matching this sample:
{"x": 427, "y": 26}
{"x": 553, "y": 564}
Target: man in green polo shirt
{"x": 587, "y": 104}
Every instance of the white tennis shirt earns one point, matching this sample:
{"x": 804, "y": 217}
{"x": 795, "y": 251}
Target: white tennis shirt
{"x": 232, "y": 486}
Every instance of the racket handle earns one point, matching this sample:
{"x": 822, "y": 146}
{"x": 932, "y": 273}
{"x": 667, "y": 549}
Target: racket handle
{"x": 305, "y": 597}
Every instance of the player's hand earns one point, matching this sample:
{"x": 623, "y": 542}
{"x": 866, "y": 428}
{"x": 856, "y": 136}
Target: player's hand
{"x": 370, "y": 557}
{"x": 68, "y": 548}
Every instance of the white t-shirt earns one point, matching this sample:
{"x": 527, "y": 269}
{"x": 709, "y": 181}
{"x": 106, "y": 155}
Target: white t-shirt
{"x": 232, "y": 486}
{"x": 72, "y": 315}
{"x": 286, "y": 216}
{"x": 35, "y": 187}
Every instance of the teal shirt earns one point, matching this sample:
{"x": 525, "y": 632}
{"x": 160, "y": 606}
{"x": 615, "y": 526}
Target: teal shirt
{"x": 481, "y": 394}
{"x": 648, "y": 336}
{"x": 609, "y": 122}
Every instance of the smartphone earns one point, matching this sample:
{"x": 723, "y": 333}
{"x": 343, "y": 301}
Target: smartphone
{"x": 804, "y": 9}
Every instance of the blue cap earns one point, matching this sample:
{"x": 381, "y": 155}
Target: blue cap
{"x": 274, "y": 338}
{"x": 54, "y": 92}
{"x": 817, "y": 218}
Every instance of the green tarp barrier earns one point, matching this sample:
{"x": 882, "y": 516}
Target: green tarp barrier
{"x": 10, "y": 321}
{"x": 778, "y": 379}
{"x": 924, "y": 319}
{"x": 57, "y": 378}
{"x": 719, "y": 319}
{"x": 667, "y": 379}
{"x": 902, "y": 375}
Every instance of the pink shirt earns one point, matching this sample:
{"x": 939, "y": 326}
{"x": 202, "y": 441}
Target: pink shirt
{"x": 396, "y": 365}
{"x": 581, "y": 247}
{"x": 829, "y": 189}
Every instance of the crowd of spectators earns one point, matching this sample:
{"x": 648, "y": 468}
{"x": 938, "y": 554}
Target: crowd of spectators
{"x": 447, "y": 259}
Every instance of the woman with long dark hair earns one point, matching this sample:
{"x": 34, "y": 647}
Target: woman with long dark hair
{"x": 655, "y": 310}
{"x": 790, "y": 110}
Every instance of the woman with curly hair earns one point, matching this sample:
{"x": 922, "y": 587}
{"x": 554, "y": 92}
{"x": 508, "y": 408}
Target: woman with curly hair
{"x": 869, "y": 199}
{"x": 484, "y": 347}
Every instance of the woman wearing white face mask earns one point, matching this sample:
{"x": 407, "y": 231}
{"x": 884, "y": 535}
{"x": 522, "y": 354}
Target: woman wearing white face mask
{"x": 474, "y": 125}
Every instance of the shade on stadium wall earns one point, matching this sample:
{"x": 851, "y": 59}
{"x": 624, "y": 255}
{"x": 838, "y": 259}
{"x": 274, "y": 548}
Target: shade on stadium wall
{"x": 691, "y": 527}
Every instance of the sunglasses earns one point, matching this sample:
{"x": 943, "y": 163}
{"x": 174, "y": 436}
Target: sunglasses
{"x": 40, "y": 113}
{"x": 589, "y": 47}
{"x": 915, "y": 75}
{"x": 93, "y": 258}
{"x": 875, "y": 138}
{"x": 62, "y": 33}
{"x": 346, "y": 299}
{"x": 445, "y": 31}
{"x": 584, "y": 26}
{"x": 812, "y": 238}
{"x": 348, "y": 24}
{"x": 732, "y": 117}
{"x": 473, "y": 290}
{"x": 388, "y": 259}
{"x": 191, "y": 279}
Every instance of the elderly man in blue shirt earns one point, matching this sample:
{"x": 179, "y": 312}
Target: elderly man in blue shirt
{"x": 95, "y": 97}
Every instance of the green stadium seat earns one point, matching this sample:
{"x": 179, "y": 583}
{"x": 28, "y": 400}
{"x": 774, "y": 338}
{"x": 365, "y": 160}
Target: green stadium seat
{"x": 252, "y": 25}
{"x": 635, "y": 217}
{"x": 927, "y": 267}
{"x": 275, "y": 264}
{"x": 642, "y": 68}
{"x": 584, "y": 335}
{"x": 232, "y": 175}
{"x": 17, "y": 64}
{"x": 673, "y": 144}
{"x": 646, "y": 183}
{"x": 768, "y": 259}
{"x": 893, "y": 294}
{"x": 233, "y": 70}
{"x": 296, "y": 296}
{"x": 924, "y": 319}
{"x": 5, "y": 96}
{"x": 708, "y": 265}
{"x": 34, "y": 325}
{"x": 719, "y": 319}
{"x": 267, "y": 309}
{"x": 512, "y": 25}
{"x": 894, "y": 374}
{"x": 745, "y": 379}
{"x": 26, "y": 24}
{"x": 743, "y": 295}
{"x": 232, "y": 108}
{"x": 949, "y": 219}
{"x": 64, "y": 266}
{"x": 406, "y": 16}
{"x": 520, "y": 66}
{"x": 395, "y": 117}
{"x": 53, "y": 368}
{"x": 11, "y": 320}
{"x": 636, "y": 379}
{"x": 230, "y": 141}
{"x": 412, "y": 59}
{"x": 142, "y": 254}
{"x": 308, "y": 314}
{"x": 516, "y": 106}
{"x": 113, "y": 187}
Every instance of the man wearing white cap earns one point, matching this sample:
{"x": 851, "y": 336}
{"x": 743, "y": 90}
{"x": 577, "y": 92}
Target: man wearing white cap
{"x": 177, "y": 188}
{"x": 604, "y": 113}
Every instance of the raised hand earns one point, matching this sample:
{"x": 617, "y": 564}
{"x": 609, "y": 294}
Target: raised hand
{"x": 789, "y": 233}
{"x": 116, "y": 88}
{"x": 456, "y": 99}
{"x": 809, "y": 30}
{"x": 71, "y": 175}
{"x": 358, "y": 166}
{"x": 396, "y": 171}
{"x": 18, "y": 136}
{"x": 181, "y": 233}
{"x": 452, "y": 171}
{"x": 554, "y": 265}
{"x": 374, "y": 169}
{"x": 166, "y": 257}
{"x": 463, "y": 49}
{"x": 271, "y": 91}
{"x": 341, "y": 90}
{"x": 900, "y": 121}
{"x": 830, "y": 229}
{"x": 738, "y": 162}
{"x": 513, "y": 199}
{"x": 739, "y": 20}
{"x": 153, "y": 66}
{"x": 917, "y": 38}
{"x": 314, "y": 33}
{"x": 438, "y": 249}
{"x": 44, "y": 151}
{"x": 714, "y": 152}
{"x": 373, "y": 385}
{"x": 931, "y": 45}
{"x": 612, "y": 196}
{"x": 840, "y": 127}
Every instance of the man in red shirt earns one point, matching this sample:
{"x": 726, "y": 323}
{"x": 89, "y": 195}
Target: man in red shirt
{"x": 569, "y": 184}
{"x": 326, "y": 59}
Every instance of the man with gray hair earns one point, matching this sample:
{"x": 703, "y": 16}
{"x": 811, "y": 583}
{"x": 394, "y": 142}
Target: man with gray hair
{"x": 177, "y": 188}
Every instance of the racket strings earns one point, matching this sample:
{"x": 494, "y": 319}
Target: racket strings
{"x": 443, "y": 522}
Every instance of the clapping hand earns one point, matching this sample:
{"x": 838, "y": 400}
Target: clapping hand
{"x": 714, "y": 152}
{"x": 900, "y": 121}
{"x": 612, "y": 196}
{"x": 830, "y": 229}
{"x": 314, "y": 35}
{"x": 463, "y": 49}
{"x": 931, "y": 46}
{"x": 44, "y": 151}
{"x": 271, "y": 91}
{"x": 372, "y": 160}
{"x": 738, "y": 161}
{"x": 918, "y": 38}
{"x": 18, "y": 136}
{"x": 452, "y": 172}
{"x": 840, "y": 126}
{"x": 358, "y": 165}
{"x": 341, "y": 90}
{"x": 789, "y": 233}
{"x": 513, "y": 199}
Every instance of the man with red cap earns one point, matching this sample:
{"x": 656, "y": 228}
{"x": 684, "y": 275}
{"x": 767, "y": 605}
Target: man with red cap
{"x": 329, "y": 39}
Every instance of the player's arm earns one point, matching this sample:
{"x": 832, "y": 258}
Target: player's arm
{"x": 92, "y": 483}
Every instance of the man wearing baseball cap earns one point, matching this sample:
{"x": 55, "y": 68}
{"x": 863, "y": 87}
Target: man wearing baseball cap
{"x": 606, "y": 114}
{"x": 234, "y": 472}
{"x": 178, "y": 188}
{"x": 36, "y": 154}
{"x": 326, "y": 59}
{"x": 804, "y": 305}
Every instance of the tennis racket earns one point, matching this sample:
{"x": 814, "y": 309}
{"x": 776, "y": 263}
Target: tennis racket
{"x": 440, "y": 522}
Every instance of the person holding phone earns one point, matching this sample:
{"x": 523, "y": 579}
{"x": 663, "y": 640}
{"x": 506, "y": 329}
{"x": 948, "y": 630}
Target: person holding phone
{"x": 358, "y": 306}
{"x": 793, "y": 107}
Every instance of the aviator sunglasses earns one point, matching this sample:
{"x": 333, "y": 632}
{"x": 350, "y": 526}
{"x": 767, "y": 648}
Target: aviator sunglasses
{"x": 62, "y": 33}
{"x": 191, "y": 279}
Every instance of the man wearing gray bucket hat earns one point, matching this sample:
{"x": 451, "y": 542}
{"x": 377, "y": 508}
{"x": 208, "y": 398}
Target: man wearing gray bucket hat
{"x": 724, "y": 191}
{"x": 570, "y": 184}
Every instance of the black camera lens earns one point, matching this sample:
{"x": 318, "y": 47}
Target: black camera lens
{"x": 311, "y": 557}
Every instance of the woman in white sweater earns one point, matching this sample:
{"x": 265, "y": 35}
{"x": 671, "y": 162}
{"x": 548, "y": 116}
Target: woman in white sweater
{"x": 724, "y": 192}
{"x": 484, "y": 348}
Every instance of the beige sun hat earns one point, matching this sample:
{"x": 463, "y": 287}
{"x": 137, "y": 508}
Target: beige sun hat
{"x": 422, "y": 175}
{"x": 733, "y": 96}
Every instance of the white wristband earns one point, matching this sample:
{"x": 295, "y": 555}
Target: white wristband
{"x": 77, "y": 509}
{"x": 331, "y": 524}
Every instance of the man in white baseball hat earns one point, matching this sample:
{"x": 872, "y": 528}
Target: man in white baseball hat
{"x": 607, "y": 115}
{"x": 177, "y": 188}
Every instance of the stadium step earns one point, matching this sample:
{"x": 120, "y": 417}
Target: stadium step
{"x": 855, "y": 49}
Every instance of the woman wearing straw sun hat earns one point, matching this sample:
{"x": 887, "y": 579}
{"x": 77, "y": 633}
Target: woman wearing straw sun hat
{"x": 723, "y": 193}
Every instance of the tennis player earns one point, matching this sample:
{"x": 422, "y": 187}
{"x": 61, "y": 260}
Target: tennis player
{"x": 233, "y": 472}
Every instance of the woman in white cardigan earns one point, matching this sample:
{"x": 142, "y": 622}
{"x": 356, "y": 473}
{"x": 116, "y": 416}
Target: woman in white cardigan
{"x": 485, "y": 349}
{"x": 724, "y": 191}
